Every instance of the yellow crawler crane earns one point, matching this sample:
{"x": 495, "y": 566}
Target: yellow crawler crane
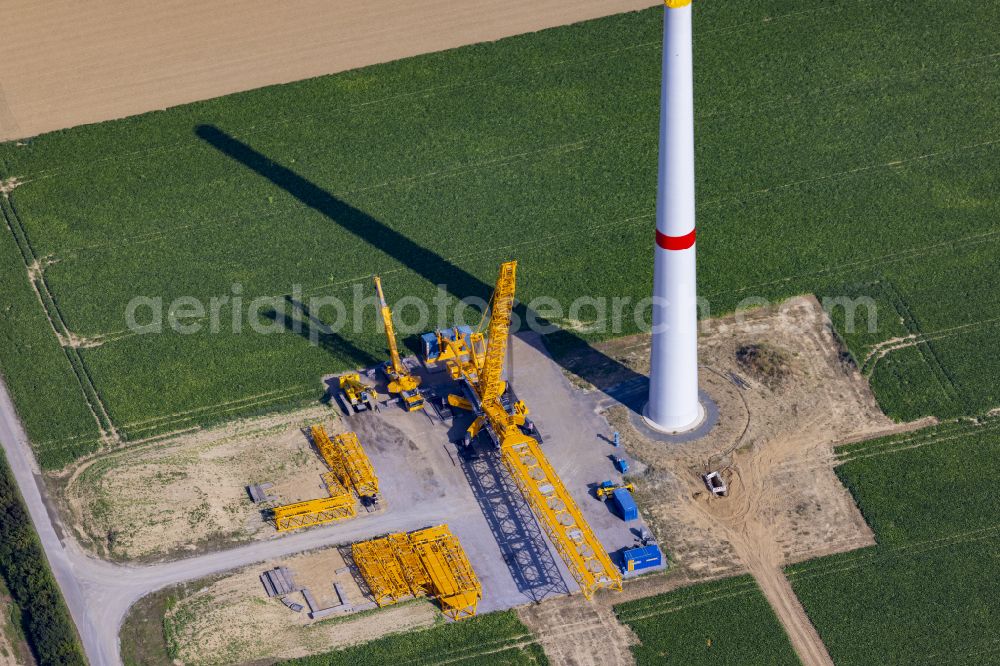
{"x": 426, "y": 562}
{"x": 453, "y": 582}
{"x": 556, "y": 509}
{"x": 345, "y": 457}
{"x": 400, "y": 379}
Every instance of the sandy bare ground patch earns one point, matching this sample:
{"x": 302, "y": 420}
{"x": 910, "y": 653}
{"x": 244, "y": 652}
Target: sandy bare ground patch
{"x": 68, "y": 63}
{"x": 232, "y": 620}
{"x": 774, "y": 445}
{"x": 179, "y": 493}
{"x": 574, "y": 631}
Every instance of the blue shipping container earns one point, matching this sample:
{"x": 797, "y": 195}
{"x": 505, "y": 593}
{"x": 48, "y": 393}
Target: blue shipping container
{"x": 430, "y": 346}
{"x": 624, "y": 504}
{"x": 646, "y": 557}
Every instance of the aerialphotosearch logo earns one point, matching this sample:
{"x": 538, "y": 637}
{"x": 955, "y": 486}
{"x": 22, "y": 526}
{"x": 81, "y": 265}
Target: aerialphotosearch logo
{"x": 318, "y": 316}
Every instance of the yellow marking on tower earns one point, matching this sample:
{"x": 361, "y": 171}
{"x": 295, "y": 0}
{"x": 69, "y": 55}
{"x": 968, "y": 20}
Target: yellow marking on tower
{"x": 426, "y": 562}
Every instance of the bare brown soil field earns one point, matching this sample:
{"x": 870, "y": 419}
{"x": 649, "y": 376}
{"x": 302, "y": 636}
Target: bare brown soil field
{"x": 69, "y": 63}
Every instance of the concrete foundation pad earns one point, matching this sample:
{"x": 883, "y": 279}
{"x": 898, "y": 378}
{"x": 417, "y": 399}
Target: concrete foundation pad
{"x": 708, "y": 421}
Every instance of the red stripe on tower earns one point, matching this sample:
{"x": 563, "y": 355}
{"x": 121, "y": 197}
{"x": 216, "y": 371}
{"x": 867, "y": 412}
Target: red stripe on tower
{"x": 675, "y": 242}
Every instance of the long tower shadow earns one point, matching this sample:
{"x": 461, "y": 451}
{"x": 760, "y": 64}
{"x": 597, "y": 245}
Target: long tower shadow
{"x": 431, "y": 266}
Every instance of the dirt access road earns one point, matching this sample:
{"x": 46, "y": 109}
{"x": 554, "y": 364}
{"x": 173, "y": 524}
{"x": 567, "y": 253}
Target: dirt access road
{"x": 68, "y": 63}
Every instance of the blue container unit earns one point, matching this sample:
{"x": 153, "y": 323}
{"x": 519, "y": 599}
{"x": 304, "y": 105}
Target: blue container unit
{"x": 429, "y": 341}
{"x": 637, "y": 559}
{"x": 624, "y": 504}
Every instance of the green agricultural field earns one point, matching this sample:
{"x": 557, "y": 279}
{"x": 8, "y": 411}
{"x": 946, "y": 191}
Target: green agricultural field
{"x": 929, "y": 593}
{"x": 721, "y": 623}
{"x": 494, "y": 639}
{"x": 843, "y": 148}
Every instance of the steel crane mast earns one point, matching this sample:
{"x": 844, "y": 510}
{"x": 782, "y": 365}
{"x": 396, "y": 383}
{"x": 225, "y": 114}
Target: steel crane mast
{"x": 400, "y": 379}
{"x": 541, "y": 486}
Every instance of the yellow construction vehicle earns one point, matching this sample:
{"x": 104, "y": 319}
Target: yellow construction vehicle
{"x": 401, "y": 381}
{"x": 538, "y": 482}
{"x": 358, "y": 395}
{"x": 607, "y": 488}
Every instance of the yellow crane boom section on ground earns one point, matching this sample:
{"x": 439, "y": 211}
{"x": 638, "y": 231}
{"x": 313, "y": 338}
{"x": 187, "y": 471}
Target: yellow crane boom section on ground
{"x": 345, "y": 457}
{"x": 426, "y": 562}
{"x": 453, "y": 582}
{"x": 559, "y": 514}
{"x": 314, "y": 512}
{"x": 382, "y": 570}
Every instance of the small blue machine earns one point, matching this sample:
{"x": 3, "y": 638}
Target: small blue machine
{"x": 624, "y": 505}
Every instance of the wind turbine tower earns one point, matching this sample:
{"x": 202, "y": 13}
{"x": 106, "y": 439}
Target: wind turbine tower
{"x": 673, "y": 374}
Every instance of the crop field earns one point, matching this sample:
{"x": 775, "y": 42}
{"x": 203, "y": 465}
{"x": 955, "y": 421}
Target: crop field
{"x": 722, "y": 622}
{"x": 929, "y": 592}
{"x": 845, "y": 148}
{"x": 494, "y": 639}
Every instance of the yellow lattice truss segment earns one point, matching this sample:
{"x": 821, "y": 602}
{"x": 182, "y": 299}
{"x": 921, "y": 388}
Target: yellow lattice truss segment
{"x": 426, "y": 562}
{"x": 381, "y": 570}
{"x": 345, "y": 457}
{"x": 572, "y": 536}
{"x": 314, "y": 512}
{"x": 453, "y": 582}
{"x": 410, "y": 564}
{"x": 501, "y": 305}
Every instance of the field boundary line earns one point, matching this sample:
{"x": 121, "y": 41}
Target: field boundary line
{"x": 955, "y": 427}
{"x": 923, "y": 346}
{"x": 724, "y": 585}
{"x": 249, "y": 398}
{"x": 505, "y": 76}
{"x": 879, "y": 351}
{"x": 892, "y": 257}
{"x": 219, "y": 414}
{"x": 252, "y": 216}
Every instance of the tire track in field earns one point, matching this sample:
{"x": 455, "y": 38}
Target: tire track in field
{"x": 108, "y": 433}
{"x": 897, "y": 446}
{"x": 882, "y": 349}
{"x": 881, "y": 552}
